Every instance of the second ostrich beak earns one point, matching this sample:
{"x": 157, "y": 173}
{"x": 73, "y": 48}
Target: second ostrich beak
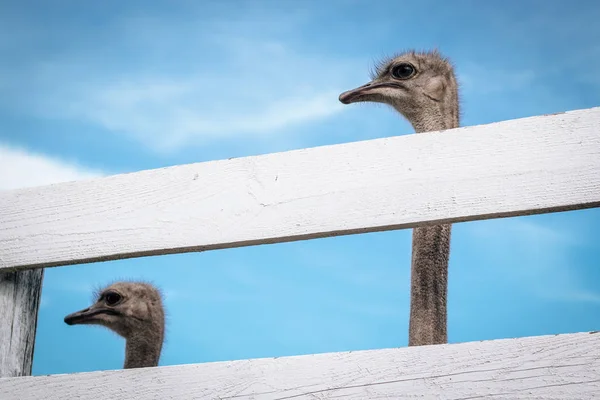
{"x": 89, "y": 315}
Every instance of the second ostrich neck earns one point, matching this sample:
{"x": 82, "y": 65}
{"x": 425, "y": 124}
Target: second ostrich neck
{"x": 430, "y": 254}
{"x": 143, "y": 349}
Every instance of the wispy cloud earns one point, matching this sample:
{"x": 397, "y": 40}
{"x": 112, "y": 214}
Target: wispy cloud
{"x": 525, "y": 230}
{"x": 482, "y": 80}
{"x": 589, "y": 58}
{"x": 45, "y": 302}
{"x": 534, "y": 256}
{"x": 169, "y": 116}
{"x": 26, "y": 169}
{"x": 579, "y": 295}
{"x": 228, "y": 86}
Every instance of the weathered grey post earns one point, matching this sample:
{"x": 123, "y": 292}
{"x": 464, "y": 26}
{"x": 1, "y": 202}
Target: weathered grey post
{"x": 19, "y": 302}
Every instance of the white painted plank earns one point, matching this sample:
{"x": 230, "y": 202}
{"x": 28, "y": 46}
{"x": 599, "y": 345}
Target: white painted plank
{"x": 19, "y": 301}
{"x": 544, "y": 367}
{"x": 517, "y": 167}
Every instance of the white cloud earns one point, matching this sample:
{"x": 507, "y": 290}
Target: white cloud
{"x": 579, "y": 295}
{"x": 229, "y": 85}
{"x": 589, "y": 56}
{"x": 526, "y": 231}
{"x": 169, "y": 116}
{"x": 482, "y": 80}
{"x": 534, "y": 256}
{"x": 21, "y": 168}
{"x": 45, "y": 302}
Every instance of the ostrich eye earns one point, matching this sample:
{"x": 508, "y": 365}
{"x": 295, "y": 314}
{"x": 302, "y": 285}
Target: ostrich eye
{"x": 403, "y": 71}
{"x": 112, "y": 298}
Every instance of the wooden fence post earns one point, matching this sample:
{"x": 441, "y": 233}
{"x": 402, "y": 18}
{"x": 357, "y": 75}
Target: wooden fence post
{"x": 19, "y": 302}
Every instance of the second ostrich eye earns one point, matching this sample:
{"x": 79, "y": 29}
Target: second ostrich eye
{"x": 403, "y": 71}
{"x": 112, "y": 298}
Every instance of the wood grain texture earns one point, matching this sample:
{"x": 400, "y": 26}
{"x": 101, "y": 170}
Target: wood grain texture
{"x": 517, "y": 167}
{"x": 545, "y": 367}
{"x": 19, "y": 301}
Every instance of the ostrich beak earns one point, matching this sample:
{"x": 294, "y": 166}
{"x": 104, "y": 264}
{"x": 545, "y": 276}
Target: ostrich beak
{"x": 369, "y": 92}
{"x": 89, "y": 315}
{"x": 353, "y": 95}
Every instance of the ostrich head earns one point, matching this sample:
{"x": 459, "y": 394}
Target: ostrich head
{"x": 124, "y": 307}
{"x": 419, "y": 85}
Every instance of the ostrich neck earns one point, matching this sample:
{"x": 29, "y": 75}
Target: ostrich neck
{"x": 430, "y": 255}
{"x": 143, "y": 350}
{"x": 436, "y": 118}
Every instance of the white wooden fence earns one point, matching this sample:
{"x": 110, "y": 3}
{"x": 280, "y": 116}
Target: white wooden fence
{"x": 532, "y": 165}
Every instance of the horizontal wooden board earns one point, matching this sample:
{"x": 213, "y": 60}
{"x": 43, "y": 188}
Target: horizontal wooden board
{"x": 517, "y": 167}
{"x": 545, "y": 367}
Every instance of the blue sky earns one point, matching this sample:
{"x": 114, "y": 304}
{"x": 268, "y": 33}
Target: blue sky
{"x": 96, "y": 88}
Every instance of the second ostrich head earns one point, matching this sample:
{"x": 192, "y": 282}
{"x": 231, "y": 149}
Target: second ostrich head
{"x": 134, "y": 310}
{"x": 419, "y": 85}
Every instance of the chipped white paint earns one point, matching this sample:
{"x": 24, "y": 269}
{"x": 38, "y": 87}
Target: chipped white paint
{"x": 544, "y": 367}
{"x": 19, "y": 301}
{"x": 517, "y": 167}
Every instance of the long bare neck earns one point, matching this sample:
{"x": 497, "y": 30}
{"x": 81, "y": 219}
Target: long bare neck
{"x": 444, "y": 115}
{"x": 430, "y": 253}
{"x": 143, "y": 349}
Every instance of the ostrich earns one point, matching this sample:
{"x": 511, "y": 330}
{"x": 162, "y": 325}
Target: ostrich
{"x": 134, "y": 311}
{"x": 422, "y": 87}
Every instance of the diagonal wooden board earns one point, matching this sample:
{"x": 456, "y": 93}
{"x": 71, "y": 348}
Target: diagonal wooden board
{"x": 518, "y": 167}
